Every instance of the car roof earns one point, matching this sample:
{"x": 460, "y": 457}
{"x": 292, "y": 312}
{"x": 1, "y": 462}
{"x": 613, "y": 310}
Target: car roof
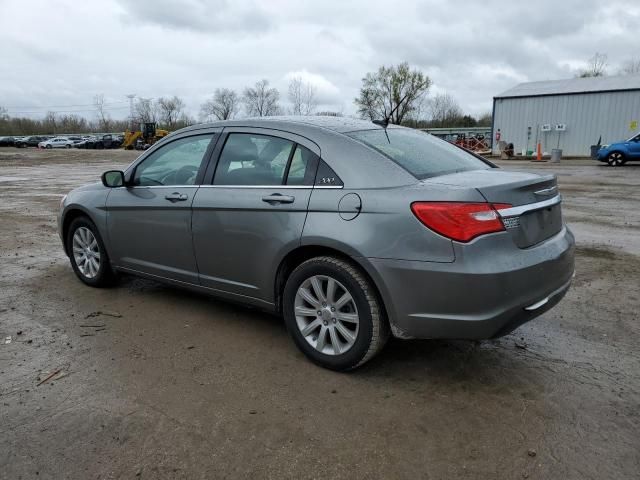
{"x": 297, "y": 123}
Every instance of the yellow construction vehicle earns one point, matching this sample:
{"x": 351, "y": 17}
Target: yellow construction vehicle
{"x": 143, "y": 138}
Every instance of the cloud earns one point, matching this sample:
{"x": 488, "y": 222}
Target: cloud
{"x": 67, "y": 52}
{"x": 326, "y": 92}
{"x": 205, "y": 16}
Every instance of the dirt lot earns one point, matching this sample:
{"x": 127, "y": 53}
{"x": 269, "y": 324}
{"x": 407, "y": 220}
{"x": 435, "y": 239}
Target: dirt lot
{"x": 169, "y": 384}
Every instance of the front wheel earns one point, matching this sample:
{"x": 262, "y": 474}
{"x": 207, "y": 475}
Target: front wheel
{"x": 333, "y": 313}
{"x": 87, "y": 253}
{"x": 616, "y": 159}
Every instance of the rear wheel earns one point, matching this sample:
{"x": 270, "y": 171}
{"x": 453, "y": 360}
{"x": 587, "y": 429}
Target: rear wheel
{"x": 616, "y": 159}
{"x": 332, "y": 312}
{"x": 87, "y": 253}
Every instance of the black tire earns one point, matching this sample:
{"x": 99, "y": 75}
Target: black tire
{"x": 373, "y": 330}
{"x": 68, "y": 146}
{"x": 616, "y": 159}
{"x": 105, "y": 275}
{"x": 48, "y": 146}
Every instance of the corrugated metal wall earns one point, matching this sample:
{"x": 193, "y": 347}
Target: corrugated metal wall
{"x": 587, "y": 116}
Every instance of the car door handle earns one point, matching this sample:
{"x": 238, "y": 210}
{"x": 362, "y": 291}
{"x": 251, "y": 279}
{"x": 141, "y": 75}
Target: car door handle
{"x": 176, "y": 197}
{"x": 278, "y": 198}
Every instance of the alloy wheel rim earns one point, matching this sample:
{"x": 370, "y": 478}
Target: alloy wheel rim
{"x": 615, "y": 159}
{"x": 326, "y": 315}
{"x": 86, "y": 252}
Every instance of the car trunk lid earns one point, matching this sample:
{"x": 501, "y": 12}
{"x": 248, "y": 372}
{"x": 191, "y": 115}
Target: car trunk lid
{"x": 536, "y": 214}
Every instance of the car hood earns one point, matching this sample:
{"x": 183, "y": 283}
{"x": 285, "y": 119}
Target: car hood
{"x": 89, "y": 186}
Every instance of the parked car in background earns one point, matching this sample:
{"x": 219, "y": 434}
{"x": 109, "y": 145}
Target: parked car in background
{"x": 101, "y": 141}
{"x": 7, "y": 141}
{"x": 86, "y": 142}
{"x": 351, "y": 231}
{"x": 57, "y": 142}
{"x": 619, "y": 153}
{"x": 31, "y": 141}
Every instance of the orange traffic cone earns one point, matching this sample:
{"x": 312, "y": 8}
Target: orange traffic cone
{"x": 539, "y": 157}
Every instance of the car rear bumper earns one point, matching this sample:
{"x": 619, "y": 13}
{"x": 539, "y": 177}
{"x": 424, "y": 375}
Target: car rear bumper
{"x": 491, "y": 289}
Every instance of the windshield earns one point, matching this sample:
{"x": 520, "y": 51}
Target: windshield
{"x": 635, "y": 138}
{"x": 423, "y": 155}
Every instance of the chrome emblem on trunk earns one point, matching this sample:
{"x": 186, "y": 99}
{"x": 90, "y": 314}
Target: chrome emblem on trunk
{"x": 511, "y": 222}
{"x": 547, "y": 191}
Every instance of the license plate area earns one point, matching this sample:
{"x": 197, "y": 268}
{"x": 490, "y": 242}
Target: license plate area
{"x": 536, "y": 226}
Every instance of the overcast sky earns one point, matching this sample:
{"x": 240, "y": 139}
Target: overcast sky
{"x": 56, "y": 55}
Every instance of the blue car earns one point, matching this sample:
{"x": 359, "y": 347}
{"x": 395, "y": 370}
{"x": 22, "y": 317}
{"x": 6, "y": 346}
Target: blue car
{"x": 619, "y": 153}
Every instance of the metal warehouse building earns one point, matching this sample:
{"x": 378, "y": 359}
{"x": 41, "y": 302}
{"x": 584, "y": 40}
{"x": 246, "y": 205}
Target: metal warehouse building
{"x": 570, "y": 114}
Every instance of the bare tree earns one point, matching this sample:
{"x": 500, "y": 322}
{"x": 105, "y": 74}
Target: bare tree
{"x": 302, "y": 96}
{"x": 101, "y": 112}
{"x": 4, "y": 113}
{"x": 631, "y": 67}
{"x": 145, "y": 110}
{"x": 485, "y": 120}
{"x": 223, "y": 105}
{"x": 444, "y": 110}
{"x": 596, "y": 66}
{"x": 170, "y": 110}
{"x": 260, "y": 100}
{"x": 50, "y": 122}
{"x": 72, "y": 124}
{"x": 391, "y": 93}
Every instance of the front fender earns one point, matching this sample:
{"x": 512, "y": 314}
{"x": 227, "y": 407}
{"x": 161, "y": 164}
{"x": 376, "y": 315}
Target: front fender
{"x": 90, "y": 201}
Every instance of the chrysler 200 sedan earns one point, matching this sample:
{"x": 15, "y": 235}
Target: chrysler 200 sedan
{"x": 351, "y": 231}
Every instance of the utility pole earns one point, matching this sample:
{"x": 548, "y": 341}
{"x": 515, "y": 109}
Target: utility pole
{"x": 131, "y": 96}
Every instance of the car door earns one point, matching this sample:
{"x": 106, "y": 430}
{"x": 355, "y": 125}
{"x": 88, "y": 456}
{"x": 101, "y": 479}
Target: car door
{"x": 251, "y": 211}
{"x": 149, "y": 220}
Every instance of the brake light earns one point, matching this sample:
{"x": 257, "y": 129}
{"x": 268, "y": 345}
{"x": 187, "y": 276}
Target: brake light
{"x": 460, "y": 221}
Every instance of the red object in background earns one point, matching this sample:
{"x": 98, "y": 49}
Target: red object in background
{"x": 498, "y": 136}
{"x": 475, "y": 143}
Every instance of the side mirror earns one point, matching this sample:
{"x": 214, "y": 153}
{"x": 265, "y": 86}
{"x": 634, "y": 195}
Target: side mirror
{"x": 113, "y": 178}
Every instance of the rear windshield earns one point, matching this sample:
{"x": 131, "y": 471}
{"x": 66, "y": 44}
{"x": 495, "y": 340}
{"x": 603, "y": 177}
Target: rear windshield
{"x": 423, "y": 155}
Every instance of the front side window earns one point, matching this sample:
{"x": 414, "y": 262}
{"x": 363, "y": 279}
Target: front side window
{"x": 252, "y": 159}
{"x": 176, "y": 163}
{"x": 423, "y": 155}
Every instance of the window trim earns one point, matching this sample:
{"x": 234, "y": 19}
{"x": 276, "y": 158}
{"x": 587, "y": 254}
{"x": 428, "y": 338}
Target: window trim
{"x": 274, "y": 132}
{"x": 130, "y": 172}
{"x": 296, "y": 140}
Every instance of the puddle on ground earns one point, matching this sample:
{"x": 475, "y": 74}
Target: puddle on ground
{"x": 13, "y": 179}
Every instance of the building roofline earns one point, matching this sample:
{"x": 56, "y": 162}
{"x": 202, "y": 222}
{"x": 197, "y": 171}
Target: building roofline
{"x": 559, "y": 94}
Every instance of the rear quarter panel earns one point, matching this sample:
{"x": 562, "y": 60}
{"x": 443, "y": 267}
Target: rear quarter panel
{"x": 385, "y": 227}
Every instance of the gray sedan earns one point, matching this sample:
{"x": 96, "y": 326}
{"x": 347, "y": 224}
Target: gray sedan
{"x": 351, "y": 231}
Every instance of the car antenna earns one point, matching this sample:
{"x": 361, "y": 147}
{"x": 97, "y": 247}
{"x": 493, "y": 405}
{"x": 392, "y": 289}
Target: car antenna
{"x": 384, "y": 123}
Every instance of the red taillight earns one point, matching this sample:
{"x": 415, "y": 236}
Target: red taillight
{"x": 460, "y": 221}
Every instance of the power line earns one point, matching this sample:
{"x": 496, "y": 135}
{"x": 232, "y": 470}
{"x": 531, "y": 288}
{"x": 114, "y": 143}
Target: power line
{"x": 62, "y": 106}
{"x": 63, "y": 111}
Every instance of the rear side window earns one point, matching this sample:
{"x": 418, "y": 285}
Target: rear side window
{"x": 249, "y": 159}
{"x": 421, "y": 154}
{"x": 264, "y": 160}
{"x": 302, "y": 170}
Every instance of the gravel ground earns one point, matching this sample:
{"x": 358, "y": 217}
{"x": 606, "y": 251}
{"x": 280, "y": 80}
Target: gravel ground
{"x": 154, "y": 382}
